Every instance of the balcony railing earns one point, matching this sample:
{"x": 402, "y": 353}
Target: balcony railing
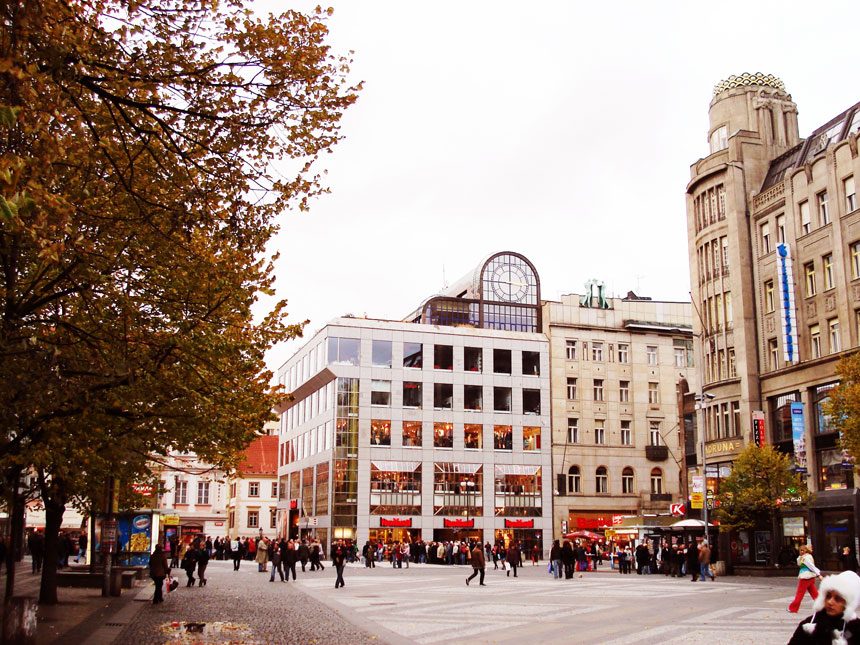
{"x": 656, "y": 453}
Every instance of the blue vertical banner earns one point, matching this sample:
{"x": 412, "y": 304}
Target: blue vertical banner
{"x": 788, "y": 320}
{"x": 798, "y": 434}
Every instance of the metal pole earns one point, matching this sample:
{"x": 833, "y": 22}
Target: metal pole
{"x": 704, "y": 458}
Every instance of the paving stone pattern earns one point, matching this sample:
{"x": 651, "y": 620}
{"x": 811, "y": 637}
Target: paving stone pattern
{"x": 243, "y": 607}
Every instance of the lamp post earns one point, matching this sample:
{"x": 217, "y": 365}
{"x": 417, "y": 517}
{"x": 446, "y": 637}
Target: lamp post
{"x": 701, "y": 403}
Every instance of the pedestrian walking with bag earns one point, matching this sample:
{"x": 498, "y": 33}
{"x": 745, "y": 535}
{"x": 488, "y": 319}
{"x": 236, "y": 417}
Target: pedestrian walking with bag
{"x": 515, "y": 558}
{"x": 806, "y": 578}
{"x": 158, "y": 571}
{"x": 478, "y": 565}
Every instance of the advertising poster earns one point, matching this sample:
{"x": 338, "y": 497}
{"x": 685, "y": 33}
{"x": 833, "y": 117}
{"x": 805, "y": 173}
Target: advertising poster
{"x": 798, "y": 434}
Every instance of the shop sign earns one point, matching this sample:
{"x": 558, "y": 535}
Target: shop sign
{"x": 617, "y": 520}
{"x": 143, "y": 489}
{"x": 395, "y": 522}
{"x": 458, "y": 524}
{"x": 677, "y": 509}
{"x": 519, "y": 524}
{"x": 793, "y": 527}
{"x": 759, "y": 437}
{"x": 170, "y": 520}
{"x": 798, "y": 428}
{"x": 595, "y": 522}
{"x": 192, "y": 530}
{"x": 294, "y": 504}
{"x": 721, "y": 447}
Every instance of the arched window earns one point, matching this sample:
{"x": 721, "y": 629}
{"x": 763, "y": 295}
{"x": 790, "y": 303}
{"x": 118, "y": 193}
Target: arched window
{"x": 574, "y": 480}
{"x": 601, "y": 480}
{"x": 656, "y": 481}
{"x": 627, "y": 481}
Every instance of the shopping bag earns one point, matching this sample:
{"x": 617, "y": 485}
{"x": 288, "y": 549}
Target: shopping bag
{"x": 172, "y": 584}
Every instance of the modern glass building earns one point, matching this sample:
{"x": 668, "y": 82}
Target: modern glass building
{"x": 433, "y": 428}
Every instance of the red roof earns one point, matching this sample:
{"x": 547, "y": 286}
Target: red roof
{"x": 261, "y": 457}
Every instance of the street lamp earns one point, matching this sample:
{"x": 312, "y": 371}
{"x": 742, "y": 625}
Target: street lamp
{"x": 701, "y": 403}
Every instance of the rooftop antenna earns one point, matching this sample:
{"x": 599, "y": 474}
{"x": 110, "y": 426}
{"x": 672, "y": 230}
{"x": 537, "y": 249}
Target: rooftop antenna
{"x": 444, "y": 279}
{"x": 638, "y": 285}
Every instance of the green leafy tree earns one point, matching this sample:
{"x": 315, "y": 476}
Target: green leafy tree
{"x": 843, "y": 406}
{"x": 761, "y": 482}
{"x": 147, "y": 149}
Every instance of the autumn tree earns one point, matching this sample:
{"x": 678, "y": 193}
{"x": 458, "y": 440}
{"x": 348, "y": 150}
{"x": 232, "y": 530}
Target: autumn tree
{"x": 843, "y": 406}
{"x": 762, "y": 481}
{"x": 148, "y": 149}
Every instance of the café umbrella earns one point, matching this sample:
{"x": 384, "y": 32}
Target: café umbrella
{"x": 581, "y": 534}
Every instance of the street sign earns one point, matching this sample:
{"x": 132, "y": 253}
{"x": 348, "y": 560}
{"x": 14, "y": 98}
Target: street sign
{"x": 678, "y": 510}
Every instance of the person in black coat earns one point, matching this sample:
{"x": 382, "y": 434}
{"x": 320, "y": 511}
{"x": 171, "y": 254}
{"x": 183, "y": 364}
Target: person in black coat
{"x": 847, "y": 561}
{"x": 189, "y": 564}
{"x": 304, "y": 554}
{"x": 338, "y": 559}
{"x": 693, "y": 561}
{"x": 567, "y": 559}
{"x": 289, "y": 556}
{"x": 202, "y": 563}
{"x": 515, "y": 558}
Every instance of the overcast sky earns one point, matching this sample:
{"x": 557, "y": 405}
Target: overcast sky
{"x": 561, "y": 130}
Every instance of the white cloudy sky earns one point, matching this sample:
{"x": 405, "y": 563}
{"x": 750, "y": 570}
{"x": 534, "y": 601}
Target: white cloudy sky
{"x": 561, "y": 130}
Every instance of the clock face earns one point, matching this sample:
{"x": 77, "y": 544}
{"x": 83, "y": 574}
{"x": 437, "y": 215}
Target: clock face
{"x": 509, "y": 283}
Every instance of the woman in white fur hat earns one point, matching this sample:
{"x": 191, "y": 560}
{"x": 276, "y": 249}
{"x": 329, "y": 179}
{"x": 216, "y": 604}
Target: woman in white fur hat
{"x": 835, "y": 621}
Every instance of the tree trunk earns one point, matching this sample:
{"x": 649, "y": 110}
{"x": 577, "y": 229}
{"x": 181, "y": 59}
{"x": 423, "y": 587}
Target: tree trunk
{"x": 54, "y": 509}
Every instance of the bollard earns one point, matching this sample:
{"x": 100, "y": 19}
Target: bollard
{"x": 19, "y": 621}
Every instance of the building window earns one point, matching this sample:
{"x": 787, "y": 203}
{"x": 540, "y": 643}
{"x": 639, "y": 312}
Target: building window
{"x": 411, "y": 394}
{"x": 596, "y": 351}
{"x": 181, "y": 493}
{"x": 733, "y": 371}
{"x": 623, "y": 352}
{"x": 599, "y": 432}
{"x": 773, "y": 354}
{"x": 531, "y": 363}
{"x": 412, "y": 434}
{"x": 443, "y": 357}
{"x": 503, "y": 438}
{"x": 473, "y": 359}
{"x": 653, "y": 393}
{"x": 343, "y": 351}
{"x": 827, "y": 261}
{"x": 531, "y": 401}
{"x": 815, "y": 341}
{"x": 381, "y": 353}
{"x": 624, "y": 391}
{"x": 805, "y": 222}
{"x": 850, "y": 196}
{"x": 253, "y": 489}
{"x": 574, "y": 480}
{"x": 573, "y": 430}
{"x": 571, "y": 389}
{"x": 601, "y": 480}
{"x": 855, "y": 260}
{"x": 654, "y": 433}
{"x": 769, "y": 301}
{"x": 598, "y": 389}
{"x": 380, "y": 393}
{"x": 443, "y": 395}
{"x": 273, "y": 518}
{"x": 380, "y": 432}
{"x": 627, "y": 481}
{"x": 809, "y": 272}
{"x": 413, "y": 355}
{"x": 274, "y": 490}
{"x": 253, "y": 519}
{"x": 719, "y": 139}
{"x": 232, "y": 489}
{"x": 443, "y": 435}
{"x": 531, "y": 438}
{"x": 502, "y": 399}
{"x": 570, "y": 348}
{"x": 473, "y": 397}
{"x": 835, "y": 342}
{"x": 626, "y": 434}
{"x": 501, "y": 361}
{"x": 473, "y": 436}
{"x": 823, "y": 209}
{"x": 780, "y": 229}
{"x": 651, "y": 354}
{"x": 202, "y": 492}
{"x": 656, "y": 481}
{"x": 764, "y": 231}
{"x": 680, "y": 357}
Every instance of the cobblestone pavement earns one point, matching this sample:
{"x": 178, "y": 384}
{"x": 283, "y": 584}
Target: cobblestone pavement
{"x": 432, "y": 604}
{"x": 242, "y": 607}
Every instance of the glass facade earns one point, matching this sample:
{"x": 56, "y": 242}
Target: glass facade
{"x": 345, "y": 498}
{"x": 458, "y": 489}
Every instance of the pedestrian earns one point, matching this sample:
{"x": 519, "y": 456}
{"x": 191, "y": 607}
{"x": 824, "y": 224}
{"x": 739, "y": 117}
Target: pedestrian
{"x": 478, "y": 565}
{"x": 805, "y": 578}
{"x": 693, "y": 561}
{"x": 535, "y": 554}
{"x": 515, "y": 558}
{"x": 834, "y": 619}
{"x": 304, "y": 554}
{"x": 641, "y": 558}
{"x": 847, "y": 561}
{"x": 174, "y": 551}
{"x": 275, "y": 559}
{"x": 158, "y": 570}
{"x": 202, "y": 562}
{"x": 367, "y": 554}
{"x": 338, "y": 559}
{"x": 567, "y": 559}
{"x": 82, "y": 548}
{"x": 404, "y": 553}
{"x": 555, "y": 559}
{"x": 316, "y": 557}
{"x": 236, "y": 553}
{"x": 36, "y": 545}
{"x": 189, "y": 564}
{"x": 289, "y": 556}
{"x": 262, "y": 556}
{"x": 705, "y": 561}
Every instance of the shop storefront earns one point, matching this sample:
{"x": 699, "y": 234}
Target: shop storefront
{"x": 521, "y": 531}
{"x": 832, "y": 516}
{"x": 394, "y": 529}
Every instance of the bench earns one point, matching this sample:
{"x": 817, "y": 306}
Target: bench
{"x": 120, "y": 579}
